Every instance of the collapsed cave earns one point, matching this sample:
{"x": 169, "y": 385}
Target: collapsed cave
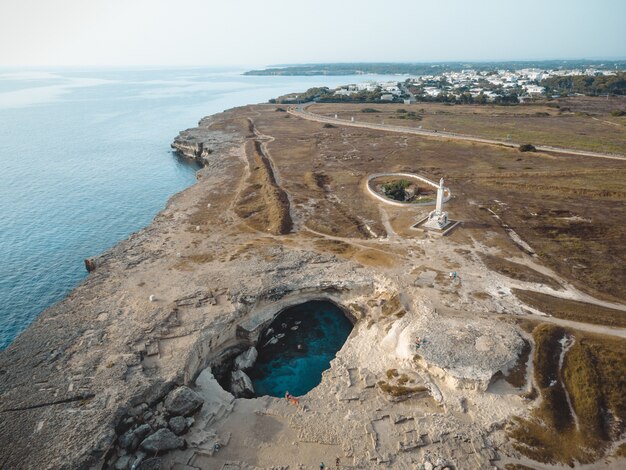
{"x": 291, "y": 353}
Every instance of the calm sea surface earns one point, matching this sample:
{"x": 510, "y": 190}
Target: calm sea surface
{"x": 309, "y": 336}
{"x": 85, "y": 161}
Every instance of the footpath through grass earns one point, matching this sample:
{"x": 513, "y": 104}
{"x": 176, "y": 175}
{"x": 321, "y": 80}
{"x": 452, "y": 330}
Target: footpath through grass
{"x": 594, "y": 375}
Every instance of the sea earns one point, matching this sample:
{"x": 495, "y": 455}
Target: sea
{"x": 85, "y": 161}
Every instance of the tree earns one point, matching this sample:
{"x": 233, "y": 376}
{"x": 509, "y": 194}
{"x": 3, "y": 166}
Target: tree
{"x": 396, "y": 189}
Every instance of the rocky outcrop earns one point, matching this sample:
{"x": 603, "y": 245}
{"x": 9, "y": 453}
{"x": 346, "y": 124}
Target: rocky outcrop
{"x": 182, "y": 401}
{"x": 198, "y": 144}
{"x": 162, "y": 441}
{"x": 178, "y": 425}
{"x": 130, "y": 439}
{"x": 246, "y": 359}
{"x": 241, "y": 385}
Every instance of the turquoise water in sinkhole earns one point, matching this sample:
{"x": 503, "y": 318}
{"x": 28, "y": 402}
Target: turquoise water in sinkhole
{"x": 85, "y": 161}
{"x": 296, "y": 362}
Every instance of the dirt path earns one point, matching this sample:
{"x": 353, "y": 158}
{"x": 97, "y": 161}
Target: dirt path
{"x": 300, "y": 111}
{"x": 606, "y": 122}
{"x": 588, "y": 327}
{"x": 566, "y": 344}
{"x": 391, "y": 233}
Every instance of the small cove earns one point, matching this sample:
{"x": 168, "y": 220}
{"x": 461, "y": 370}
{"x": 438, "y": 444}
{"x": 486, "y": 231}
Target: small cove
{"x": 313, "y": 333}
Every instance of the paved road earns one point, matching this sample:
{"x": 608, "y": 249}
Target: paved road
{"x": 300, "y": 111}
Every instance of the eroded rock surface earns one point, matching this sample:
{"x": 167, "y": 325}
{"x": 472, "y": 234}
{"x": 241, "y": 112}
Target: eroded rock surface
{"x": 162, "y": 441}
{"x": 241, "y": 385}
{"x": 246, "y": 359}
{"x": 182, "y": 401}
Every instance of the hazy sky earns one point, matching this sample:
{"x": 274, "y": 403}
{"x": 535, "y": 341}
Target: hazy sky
{"x": 258, "y": 32}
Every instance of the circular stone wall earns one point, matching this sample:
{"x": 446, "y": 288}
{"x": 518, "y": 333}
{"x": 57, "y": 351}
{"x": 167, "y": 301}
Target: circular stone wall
{"x": 381, "y": 197}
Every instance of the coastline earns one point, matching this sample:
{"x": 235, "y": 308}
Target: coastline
{"x": 85, "y": 361}
{"x": 30, "y": 366}
{"x": 217, "y": 264}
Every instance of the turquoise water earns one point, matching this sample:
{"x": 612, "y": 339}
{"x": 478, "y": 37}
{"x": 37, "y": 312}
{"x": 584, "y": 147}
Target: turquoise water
{"x": 85, "y": 161}
{"x": 296, "y": 362}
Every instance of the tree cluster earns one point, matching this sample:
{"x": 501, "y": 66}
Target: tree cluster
{"x": 586, "y": 84}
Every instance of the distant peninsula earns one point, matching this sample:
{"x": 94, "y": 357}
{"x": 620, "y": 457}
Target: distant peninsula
{"x": 425, "y": 68}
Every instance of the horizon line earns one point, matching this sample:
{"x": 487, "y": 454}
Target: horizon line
{"x": 291, "y": 64}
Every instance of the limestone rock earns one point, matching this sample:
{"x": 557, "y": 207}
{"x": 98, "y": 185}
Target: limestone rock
{"x": 139, "y": 457}
{"x": 161, "y": 441}
{"x": 182, "y": 401}
{"x": 154, "y": 463}
{"x": 241, "y": 385}
{"x": 131, "y": 438}
{"x": 246, "y": 359}
{"x": 138, "y": 410}
{"x": 122, "y": 463}
{"x": 158, "y": 422}
{"x": 178, "y": 425}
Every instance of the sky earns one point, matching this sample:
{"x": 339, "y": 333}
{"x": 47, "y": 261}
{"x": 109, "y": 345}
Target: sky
{"x": 265, "y": 32}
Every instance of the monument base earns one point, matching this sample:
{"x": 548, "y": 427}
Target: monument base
{"x": 423, "y": 224}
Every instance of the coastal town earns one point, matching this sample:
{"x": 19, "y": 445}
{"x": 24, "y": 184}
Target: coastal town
{"x": 500, "y": 86}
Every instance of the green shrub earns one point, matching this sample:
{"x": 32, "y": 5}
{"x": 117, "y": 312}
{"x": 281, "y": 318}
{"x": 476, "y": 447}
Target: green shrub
{"x": 396, "y": 189}
{"x": 527, "y": 148}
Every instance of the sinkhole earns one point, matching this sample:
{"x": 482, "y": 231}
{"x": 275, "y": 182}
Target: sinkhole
{"x": 297, "y": 347}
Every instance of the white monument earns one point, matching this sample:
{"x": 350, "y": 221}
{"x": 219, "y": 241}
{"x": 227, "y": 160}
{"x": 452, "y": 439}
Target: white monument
{"x": 438, "y": 219}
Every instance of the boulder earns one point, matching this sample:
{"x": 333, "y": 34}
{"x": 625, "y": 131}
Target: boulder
{"x": 178, "y": 425}
{"x": 90, "y": 264}
{"x": 162, "y": 441}
{"x": 123, "y": 463}
{"x": 182, "y": 401}
{"x": 241, "y": 385}
{"x": 246, "y": 359}
{"x": 158, "y": 422}
{"x": 131, "y": 438}
{"x": 139, "y": 457}
{"x": 155, "y": 463}
{"x": 138, "y": 410}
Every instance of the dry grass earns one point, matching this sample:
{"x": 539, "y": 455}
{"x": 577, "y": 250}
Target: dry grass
{"x": 572, "y": 309}
{"x": 397, "y": 391}
{"x": 535, "y": 123}
{"x": 391, "y": 373}
{"x": 518, "y": 271}
{"x": 336, "y": 247}
{"x": 391, "y": 306}
{"x": 517, "y": 466}
{"x": 364, "y": 256}
{"x": 594, "y": 374}
{"x": 187, "y": 263}
{"x": 620, "y": 451}
{"x": 376, "y": 258}
{"x": 517, "y": 375}
{"x": 263, "y": 203}
{"x": 481, "y": 295}
{"x": 570, "y": 208}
